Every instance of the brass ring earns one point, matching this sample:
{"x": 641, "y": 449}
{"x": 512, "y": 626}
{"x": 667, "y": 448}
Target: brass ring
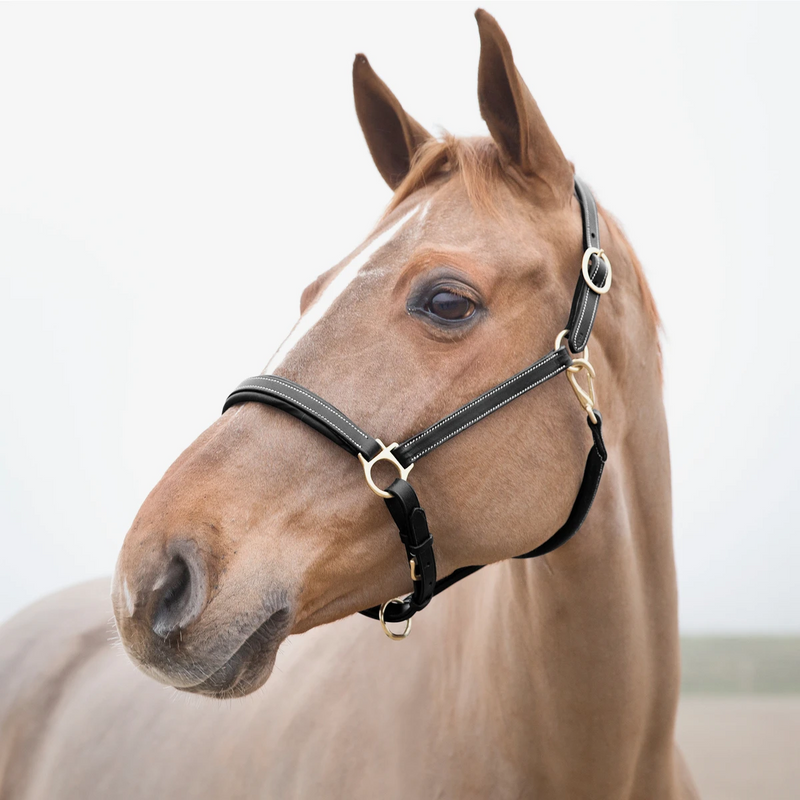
{"x": 559, "y": 338}
{"x": 577, "y": 363}
{"x": 395, "y": 637}
{"x": 384, "y": 455}
{"x": 596, "y": 251}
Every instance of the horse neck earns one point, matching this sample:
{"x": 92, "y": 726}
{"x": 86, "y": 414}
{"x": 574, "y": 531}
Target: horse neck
{"x": 586, "y": 637}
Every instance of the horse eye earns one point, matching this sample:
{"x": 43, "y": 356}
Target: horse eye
{"x": 450, "y": 306}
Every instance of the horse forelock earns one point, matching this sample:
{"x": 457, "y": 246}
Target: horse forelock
{"x": 476, "y": 160}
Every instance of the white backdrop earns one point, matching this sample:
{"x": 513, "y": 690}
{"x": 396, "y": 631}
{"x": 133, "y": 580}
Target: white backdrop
{"x": 171, "y": 176}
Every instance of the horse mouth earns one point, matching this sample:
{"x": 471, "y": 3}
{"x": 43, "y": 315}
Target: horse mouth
{"x": 250, "y": 665}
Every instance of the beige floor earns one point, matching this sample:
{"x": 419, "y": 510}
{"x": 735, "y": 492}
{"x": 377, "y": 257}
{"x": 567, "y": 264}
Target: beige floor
{"x": 742, "y": 747}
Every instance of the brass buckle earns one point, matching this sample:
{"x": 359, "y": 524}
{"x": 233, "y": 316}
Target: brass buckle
{"x": 586, "y": 398}
{"x": 384, "y": 455}
{"x": 596, "y": 251}
{"x": 395, "y": 637}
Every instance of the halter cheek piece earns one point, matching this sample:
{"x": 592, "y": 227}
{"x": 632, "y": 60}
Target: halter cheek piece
{"x": 400, "y": 497}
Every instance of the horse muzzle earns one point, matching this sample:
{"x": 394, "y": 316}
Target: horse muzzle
{"x": 197, "y": 628}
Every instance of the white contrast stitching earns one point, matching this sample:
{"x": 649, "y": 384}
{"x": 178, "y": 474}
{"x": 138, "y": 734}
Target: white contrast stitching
{"x": 479, "y": 399}
{"x": 489, "y": 411}
{"x": 294, "y": 400}
{"x": 293, "y": 387}
{"x": 591, "y": 321}
{"x": 586, "y": 299}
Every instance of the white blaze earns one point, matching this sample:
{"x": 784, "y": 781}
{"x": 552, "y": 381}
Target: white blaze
{"x": 333, "y": 290}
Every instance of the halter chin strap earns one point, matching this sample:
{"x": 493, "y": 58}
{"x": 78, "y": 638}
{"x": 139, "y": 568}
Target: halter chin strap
{"x": 400, "y": 497}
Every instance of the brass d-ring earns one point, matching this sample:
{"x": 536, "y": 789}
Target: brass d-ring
{"x": 560, "y": 338}
{"x": 385, "y": 454}
{"x": 395, "y": 637}
{"x": 596, "y": 251}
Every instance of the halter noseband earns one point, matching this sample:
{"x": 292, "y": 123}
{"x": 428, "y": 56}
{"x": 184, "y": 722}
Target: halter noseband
{"x": 400, "y": 497}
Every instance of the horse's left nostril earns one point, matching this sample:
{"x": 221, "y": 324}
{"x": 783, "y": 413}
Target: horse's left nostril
{"x": 180, "y": 596}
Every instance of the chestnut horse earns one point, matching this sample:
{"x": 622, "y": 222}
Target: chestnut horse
{"x": 550, "y": 678}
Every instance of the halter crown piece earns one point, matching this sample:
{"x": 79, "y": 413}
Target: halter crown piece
{"x": 400, "y": 497}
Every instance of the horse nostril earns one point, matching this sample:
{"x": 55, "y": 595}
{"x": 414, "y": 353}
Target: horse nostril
{"x": 176, "y": 592}
{"x": 180, "y": 597}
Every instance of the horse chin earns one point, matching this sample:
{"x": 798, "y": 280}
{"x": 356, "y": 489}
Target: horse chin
{"x": 246, "y": 669}
{"x": 249, "y": 667}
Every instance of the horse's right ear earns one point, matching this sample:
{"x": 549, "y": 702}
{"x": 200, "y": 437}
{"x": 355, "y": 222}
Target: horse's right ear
{"x": 512, "y": 116}
{"x": 392, "y": 135}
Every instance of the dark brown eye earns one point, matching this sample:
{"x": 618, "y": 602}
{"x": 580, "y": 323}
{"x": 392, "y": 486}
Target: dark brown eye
{"x": 450, "y": 306}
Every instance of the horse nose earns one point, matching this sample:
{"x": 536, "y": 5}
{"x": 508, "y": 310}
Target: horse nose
{"x": 163, "y": 593}
{"x": 179, "y": 594}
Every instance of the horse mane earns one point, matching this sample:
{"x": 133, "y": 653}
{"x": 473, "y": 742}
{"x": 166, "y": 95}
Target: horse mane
{"x": 476, "y": 159}
{"x": 479, "y": 163}
{"x": 648, "y": 301}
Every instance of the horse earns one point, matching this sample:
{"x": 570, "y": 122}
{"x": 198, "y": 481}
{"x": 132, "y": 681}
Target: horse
{"x": 555, "y": 677}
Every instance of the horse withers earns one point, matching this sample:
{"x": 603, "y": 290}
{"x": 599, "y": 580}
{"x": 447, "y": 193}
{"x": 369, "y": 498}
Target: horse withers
{"x": 550, "y": 678}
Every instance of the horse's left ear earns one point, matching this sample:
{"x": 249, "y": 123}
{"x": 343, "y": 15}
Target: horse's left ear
{"x": 392, "y": 135}
{"x": 514, "y": 119}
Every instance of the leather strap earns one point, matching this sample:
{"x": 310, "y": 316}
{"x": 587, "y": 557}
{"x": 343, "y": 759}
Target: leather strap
{"x": 413, "y": 528}
{"x": 298, "y": 401}
{"x": 327, "y": 419}
{"x": 417, "y": 446}
{"x": 593, "y": 471}
{"x": 585, "y": 301}
{"x": 403, "y": 503}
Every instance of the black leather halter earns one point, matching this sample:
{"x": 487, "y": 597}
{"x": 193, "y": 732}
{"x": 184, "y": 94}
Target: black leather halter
{"x": 400, "y": 497}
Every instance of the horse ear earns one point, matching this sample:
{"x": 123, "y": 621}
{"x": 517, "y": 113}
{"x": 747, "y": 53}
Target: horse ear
{"x": 392, "y": 135}
{"x": 514, "y": 119}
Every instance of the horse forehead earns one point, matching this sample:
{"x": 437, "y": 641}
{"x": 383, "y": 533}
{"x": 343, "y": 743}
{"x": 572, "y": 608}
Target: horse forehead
{"x": 504, "y": 230}
{"x": 403, "y": 225}
{"x": 443, "y": 218}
